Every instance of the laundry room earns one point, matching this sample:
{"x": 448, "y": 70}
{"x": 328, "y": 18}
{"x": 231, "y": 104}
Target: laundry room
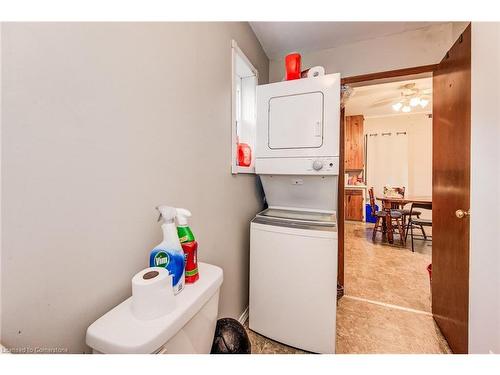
{"x": 246, "y": 188}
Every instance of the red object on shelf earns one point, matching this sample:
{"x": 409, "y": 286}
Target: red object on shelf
{"x": 292, "y": 66}
{"x": 244, "y": 155}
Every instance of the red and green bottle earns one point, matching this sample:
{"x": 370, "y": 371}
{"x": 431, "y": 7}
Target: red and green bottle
{"x": 189, "y": 246}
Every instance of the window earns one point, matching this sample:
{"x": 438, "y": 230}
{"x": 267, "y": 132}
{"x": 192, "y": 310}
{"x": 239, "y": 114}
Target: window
{"x": 243, "y": 113}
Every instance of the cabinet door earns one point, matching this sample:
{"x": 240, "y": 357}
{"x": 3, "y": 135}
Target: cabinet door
{"x": 296, "y": 121}
{"x": 354, "y": 142}
{"x": 354, "y": 205}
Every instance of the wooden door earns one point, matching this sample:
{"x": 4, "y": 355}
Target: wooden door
{"x": 353, "y": 205}
{"x": 450, "y": 192}
{"x": 354, "y": 143}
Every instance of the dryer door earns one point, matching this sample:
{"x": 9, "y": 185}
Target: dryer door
{"x": 299, "y": 118}
{"x": 296, "y": 121}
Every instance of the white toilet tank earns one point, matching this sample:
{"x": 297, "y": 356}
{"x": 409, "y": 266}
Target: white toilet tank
{"x": 188, "y": 329}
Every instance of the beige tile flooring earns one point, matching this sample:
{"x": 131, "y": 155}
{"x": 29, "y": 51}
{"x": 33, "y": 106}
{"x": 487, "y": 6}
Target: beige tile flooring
{"x": 386, "y": 273}
{"x": 386, "y": 307}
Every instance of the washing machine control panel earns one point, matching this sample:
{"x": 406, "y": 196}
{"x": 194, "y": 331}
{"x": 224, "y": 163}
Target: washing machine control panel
{"x": 324, "y": 165}
{"x": 327, "y": 165}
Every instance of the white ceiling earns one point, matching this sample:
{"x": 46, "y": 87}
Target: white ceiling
{"x": 377, "y": 100}
{"x": 280, "y": 38}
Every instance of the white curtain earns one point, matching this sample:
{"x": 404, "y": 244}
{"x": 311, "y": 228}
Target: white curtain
{"x": 387, "y": 160}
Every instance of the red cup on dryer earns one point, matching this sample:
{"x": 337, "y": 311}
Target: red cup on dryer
{"x": 292, "y": 66}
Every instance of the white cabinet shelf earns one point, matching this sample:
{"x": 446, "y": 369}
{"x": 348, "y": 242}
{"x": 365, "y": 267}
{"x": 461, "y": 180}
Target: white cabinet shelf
{"x": 243, "y": 110}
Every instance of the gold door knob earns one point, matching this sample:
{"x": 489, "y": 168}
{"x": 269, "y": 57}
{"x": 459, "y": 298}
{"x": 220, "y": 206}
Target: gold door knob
{"x": 461, "y": 213}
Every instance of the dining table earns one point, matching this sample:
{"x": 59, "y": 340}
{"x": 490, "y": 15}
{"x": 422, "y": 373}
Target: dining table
{"x": 398, "y": 202}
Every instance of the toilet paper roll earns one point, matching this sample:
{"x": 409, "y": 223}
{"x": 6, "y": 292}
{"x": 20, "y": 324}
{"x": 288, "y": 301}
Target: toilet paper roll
{"x": 152, "y": 293}
{"x": 315, "y": 71}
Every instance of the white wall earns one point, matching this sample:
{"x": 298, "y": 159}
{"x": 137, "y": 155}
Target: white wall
{"x": 484, "y": 300}
{"x": 419, "y": 131}
{"x": 0, "y": 193}
{"x": 101, "y": 122}
{"x": 412, "y": 48}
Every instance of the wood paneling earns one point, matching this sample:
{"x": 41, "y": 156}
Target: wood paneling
{"x": 354, "y": 142}
{"x": 389, "y": 74}
{"x": 353, "y": 205}
{"x": 340, "y": 203}
{"x": 451, "y": 189}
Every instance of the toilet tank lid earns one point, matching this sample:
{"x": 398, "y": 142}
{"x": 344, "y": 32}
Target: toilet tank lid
{"x": 119, "y": 331}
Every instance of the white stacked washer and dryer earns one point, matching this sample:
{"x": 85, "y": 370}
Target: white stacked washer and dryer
{"x": 293, "y": 243}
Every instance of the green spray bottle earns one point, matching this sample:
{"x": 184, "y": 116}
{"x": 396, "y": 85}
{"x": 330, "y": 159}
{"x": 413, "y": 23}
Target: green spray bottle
{"x": 189, "y": 245}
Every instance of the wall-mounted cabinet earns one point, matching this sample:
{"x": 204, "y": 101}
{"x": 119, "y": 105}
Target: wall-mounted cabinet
{"x": 243, "y": 112}
{"x": 354, "y": 143}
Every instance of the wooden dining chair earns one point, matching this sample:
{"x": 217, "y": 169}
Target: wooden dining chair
{"x": 384, "y": 217}
{"x": 379, "y": 215}
{"x": 404, "y": 211}
{"x": 420, "y": 223}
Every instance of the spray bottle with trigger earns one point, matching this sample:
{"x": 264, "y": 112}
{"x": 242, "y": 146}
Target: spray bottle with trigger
{"x": 189, "y": 245}
{"x": 169, "y": 253}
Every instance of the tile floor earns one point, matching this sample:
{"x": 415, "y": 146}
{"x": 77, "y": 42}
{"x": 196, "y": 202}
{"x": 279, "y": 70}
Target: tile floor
{"x": 386, "y": 273}
{"x": 386, "y": 307}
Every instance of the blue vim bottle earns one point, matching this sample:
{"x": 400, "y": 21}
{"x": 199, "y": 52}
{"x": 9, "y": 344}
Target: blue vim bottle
{"x": 169, "y": 253}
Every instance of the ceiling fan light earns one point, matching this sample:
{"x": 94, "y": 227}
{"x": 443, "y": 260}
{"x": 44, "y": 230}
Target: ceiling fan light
{"x": 415, "y": 101}
{"x": 406, "y": 109}
{"x": 423, "y": 102}
{"x": 397, "y": 106}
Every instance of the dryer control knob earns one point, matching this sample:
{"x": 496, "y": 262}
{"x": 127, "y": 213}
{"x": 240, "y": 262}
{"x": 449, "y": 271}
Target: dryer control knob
{"x": 317, "y": 165}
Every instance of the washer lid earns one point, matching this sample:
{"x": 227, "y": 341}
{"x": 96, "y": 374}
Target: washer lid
{"x": 305, "y": 216}
{"x": 317, "y": 221}
{"x": 119, "y": 331}
{"x": 297, "y": 219}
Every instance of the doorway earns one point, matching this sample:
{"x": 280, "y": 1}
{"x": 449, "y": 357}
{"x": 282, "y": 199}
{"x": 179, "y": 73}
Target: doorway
{"x": 447, "y": 306}
{"x": 388, "y": 145}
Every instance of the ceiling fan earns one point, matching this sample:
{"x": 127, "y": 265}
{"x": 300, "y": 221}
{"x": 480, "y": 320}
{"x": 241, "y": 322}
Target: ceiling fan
{"x": 409, "y": 97}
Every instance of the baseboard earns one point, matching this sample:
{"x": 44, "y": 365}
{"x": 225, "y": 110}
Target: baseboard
{"x": 244, "y": 316}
